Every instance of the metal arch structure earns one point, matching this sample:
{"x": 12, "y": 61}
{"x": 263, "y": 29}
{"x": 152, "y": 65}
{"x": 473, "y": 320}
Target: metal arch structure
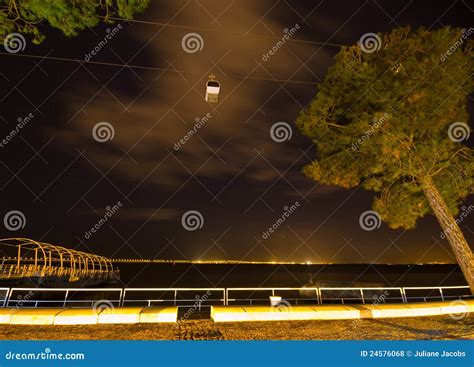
{"x": 40, "y": 259}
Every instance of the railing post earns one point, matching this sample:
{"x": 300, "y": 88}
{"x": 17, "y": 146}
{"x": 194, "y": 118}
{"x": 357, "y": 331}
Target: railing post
{"x": 122, "y": 297}
{"x": 441, "y": 292}
{"x": 362, "y": 295}
{"x": 403, "y": 294}
{"x": 7, "y": 300}
{"x": 175, "y": 295}
{"x": 65, "y": 298}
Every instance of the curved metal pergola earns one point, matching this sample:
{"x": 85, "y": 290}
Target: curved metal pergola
{"x": 48, "y": 255}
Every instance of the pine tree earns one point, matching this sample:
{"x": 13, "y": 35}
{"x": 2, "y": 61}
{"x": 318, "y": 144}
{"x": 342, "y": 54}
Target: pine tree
{"x": 391, "y": 115}
{"x": 69, "y": 16}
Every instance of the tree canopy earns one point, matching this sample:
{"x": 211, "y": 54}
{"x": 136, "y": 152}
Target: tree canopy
{"x": 69, "y": 16}
{"x": 384, "y": 120}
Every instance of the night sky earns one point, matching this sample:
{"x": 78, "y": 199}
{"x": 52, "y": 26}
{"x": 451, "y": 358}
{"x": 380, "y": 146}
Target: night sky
{"x": 231, "y": 171}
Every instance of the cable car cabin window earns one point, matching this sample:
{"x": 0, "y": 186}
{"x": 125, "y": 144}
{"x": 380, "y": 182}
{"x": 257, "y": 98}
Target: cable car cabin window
{"x": 212, "y": 97}
{"x": 212, "y": 83}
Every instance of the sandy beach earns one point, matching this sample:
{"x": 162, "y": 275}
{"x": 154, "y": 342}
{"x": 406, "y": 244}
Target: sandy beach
{"x": 433, "y": 328}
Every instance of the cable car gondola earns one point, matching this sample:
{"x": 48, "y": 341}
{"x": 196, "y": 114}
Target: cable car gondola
{"x": 212, "y": 89}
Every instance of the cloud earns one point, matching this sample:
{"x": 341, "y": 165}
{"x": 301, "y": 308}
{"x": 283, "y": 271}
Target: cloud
{"x": 234, "y": 142}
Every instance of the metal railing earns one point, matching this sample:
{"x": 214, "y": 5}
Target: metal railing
{"x": 178, "y": 296}
{"x": 261, "y": 295}
{"x": 444, "y": 292}
{"x": 379, "y": 294}
{"x": 3, "y": 296}
{"x": 91, "y": 297}
{"x": 60, "y": 297}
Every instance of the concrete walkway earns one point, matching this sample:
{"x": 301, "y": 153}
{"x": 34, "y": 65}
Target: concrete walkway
{"x": 87, "y": 316}
{"x": 341, "y": 312}
{"x": 135, "y": 315}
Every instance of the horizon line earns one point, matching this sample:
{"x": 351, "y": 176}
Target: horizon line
{"x": 257, "y": 262}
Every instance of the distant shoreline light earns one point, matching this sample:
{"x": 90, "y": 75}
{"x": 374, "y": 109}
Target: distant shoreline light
{"x": 223, "y": 262}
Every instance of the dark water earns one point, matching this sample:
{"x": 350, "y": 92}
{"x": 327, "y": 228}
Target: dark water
{"x": 162, "y": 275}
{"x": 273, "y": 275}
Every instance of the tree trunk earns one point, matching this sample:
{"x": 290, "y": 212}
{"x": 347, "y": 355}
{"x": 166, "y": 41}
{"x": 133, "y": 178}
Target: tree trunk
{"x": 453, "y": 233}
